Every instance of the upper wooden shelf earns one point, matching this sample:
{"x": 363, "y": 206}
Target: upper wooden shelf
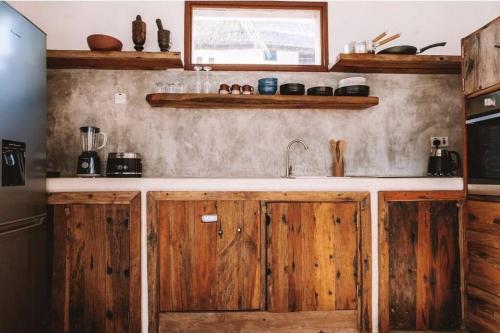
{"x": 113, "y": 59}
{"x": 397, "y": 64}
{"x": 216, "y": 101}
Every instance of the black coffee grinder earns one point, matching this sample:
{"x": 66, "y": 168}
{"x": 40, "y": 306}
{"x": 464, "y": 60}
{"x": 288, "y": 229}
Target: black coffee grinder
{"x": 89, "y": 164}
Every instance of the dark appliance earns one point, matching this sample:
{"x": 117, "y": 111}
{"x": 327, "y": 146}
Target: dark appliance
{"x": 24, "y": 236}
{"x": 89, "y": 164}
{"x": 483, "y": 139}
{"x": 124, "y": 165}
{"x": 442, "y": 162}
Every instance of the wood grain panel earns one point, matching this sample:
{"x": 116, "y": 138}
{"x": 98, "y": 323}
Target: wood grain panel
{"x": 419, "y": 261}
{"x": 394, "y": 63}
{"x": 260, "y": 322}
{"x": 445, "y": 273}
{"x": 209, "y": 266}
{"x": 87, "y": 294}
{"x": 424, "y": 260}
{"x": 113, "y": 59}
{"x": 484, "y": 217}
{"x": 218, "y": 101}
{"x": 307, "y": 243}
{"x": 346, "y": 258}
{"x": 311, "y": 196}
{"x": 402, "y": 264}
{"x": 117, "y": 266}
{"x": 480, "y": 55}
{"x": 96, "y": 265}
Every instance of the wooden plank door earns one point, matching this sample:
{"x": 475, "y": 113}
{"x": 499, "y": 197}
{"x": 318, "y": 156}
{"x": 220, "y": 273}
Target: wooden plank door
{"x": 482, "y": 312}
{"x": 424, "y": 265}
{"x": 312, "y": 258}
{"x": 209, "y": 266}
{"x": 482, "y": 58}
{"x": 92, "y": 269}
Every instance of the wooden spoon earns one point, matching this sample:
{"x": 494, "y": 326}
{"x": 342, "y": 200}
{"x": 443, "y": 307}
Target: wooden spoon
{"x": 333, "y": 149}
{"x": 342, "y": 147}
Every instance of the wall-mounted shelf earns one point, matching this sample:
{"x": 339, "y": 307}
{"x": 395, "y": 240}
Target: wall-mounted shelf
{"x": 113, "y": 59}
{"x": 397, "y": 64}
{"x": 216, "y": 101}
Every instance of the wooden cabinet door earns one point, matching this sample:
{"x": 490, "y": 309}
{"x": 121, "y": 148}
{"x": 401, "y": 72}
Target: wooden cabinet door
{"x": 209, "y": 266}
{"x": 424, "y": 265}
{"x": 483, "y": 273}
{"x": 312, "y": 256}
{"x": 481, "y": 54}
{"x": 96, "y": 268}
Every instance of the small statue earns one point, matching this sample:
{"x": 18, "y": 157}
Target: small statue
{"x": 163, "y": 37}
{"x": 138, "y": 33}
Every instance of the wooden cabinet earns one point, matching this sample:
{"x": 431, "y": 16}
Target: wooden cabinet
{"x": 266, "y": 256}
{"x": 481, "y": 58}
{"x": 419, "y": 263}
{"x": 483, "y": 264}
{"x": 312, "y": 252}
{"x": 210, "y": 266}
{"x": 96, "y": 262}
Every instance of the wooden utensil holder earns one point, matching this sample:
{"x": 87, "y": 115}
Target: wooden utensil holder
{"x": 338, "y": 169}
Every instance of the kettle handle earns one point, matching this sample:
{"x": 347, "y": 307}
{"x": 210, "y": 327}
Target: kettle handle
{"x": 458, "y": 161}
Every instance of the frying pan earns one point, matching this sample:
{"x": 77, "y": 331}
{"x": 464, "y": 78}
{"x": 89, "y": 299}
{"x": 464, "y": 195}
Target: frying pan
{"x": 407, "y": 49}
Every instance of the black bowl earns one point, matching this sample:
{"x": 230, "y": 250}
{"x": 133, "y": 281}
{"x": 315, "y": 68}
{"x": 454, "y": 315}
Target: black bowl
{"x": 359, "y": 90}
{"x": 292, "y": 89}
{"x": 320, "y": 91}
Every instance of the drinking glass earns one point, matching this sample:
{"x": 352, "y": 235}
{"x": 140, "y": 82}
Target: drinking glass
{"x": 198, "y": 81}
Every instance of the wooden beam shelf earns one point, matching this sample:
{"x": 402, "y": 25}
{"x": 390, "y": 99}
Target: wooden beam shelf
{"x": 397, "y": 64}
{"x": 113, "y": 59}
{"x": 216, "y": 101}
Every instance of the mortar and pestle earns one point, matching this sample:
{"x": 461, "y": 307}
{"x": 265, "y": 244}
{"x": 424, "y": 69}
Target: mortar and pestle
{"x": 163, "y": 37}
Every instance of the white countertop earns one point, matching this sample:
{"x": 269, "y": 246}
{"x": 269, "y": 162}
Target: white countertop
{"x": 371, "y": 184}
{"x": 364, "y": 184}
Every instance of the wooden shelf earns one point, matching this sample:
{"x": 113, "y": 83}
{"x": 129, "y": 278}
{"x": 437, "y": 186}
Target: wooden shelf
{"x": 398, "y": 64}
{"x": 216, "y": 101}
{"x": 113, "y": 59}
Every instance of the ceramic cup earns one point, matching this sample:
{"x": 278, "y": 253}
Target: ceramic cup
{"x": 247, "y": 89}
{"x": 235, "y": 89}
{"x": 224, "y": 89}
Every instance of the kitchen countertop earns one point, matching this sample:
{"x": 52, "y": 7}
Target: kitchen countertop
{"x": 372, "y": 184}
{"x": 364, "y": 184}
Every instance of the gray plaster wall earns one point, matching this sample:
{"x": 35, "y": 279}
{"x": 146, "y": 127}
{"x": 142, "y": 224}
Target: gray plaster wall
{"x": 391, "y": 139}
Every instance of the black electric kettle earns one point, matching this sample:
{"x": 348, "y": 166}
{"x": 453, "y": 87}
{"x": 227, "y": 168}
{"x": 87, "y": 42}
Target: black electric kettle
{"x": 442, "y": 162}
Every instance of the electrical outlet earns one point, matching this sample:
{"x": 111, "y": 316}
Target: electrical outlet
{"x": 442, "y": 139}
{"x": 120, "y": 98}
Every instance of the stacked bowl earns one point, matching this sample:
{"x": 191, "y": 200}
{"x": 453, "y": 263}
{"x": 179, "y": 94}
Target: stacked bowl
{"x": 268, "y": 86}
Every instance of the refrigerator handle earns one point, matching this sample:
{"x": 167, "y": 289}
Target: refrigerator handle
{"x": 38, "y": 220}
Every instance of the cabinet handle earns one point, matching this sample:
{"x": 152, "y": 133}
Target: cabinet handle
{"x": 209, "y": 218}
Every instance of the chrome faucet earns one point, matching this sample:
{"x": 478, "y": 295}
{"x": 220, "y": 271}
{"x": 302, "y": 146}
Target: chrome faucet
{"x": 288, "y": 172}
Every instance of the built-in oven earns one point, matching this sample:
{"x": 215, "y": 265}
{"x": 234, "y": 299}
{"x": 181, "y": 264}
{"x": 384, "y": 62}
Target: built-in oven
{"x": 483, "y": 139}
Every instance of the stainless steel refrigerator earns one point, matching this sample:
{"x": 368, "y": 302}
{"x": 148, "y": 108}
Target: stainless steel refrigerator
{"x": 24, "y": 260}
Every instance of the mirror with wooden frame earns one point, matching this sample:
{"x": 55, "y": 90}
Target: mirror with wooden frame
{"x": 256, "y": 35}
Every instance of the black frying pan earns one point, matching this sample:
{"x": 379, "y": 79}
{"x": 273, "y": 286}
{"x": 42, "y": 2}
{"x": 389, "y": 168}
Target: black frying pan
{"x": 406, "y": 49}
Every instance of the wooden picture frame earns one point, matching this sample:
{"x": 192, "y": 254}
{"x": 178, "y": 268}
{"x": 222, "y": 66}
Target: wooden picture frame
{"x": 321, "y": 6}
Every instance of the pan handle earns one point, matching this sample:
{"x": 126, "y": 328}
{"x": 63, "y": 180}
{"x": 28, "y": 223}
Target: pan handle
{"x": 431, "y": 46}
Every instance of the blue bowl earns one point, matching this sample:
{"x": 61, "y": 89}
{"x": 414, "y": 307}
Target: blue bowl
{"x": 267, "y": 90}
{"x": 268, "y": 81}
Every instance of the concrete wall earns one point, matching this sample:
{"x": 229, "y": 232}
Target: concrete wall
{"x": 421, "y": 22}
{"x": 389, "y": 139}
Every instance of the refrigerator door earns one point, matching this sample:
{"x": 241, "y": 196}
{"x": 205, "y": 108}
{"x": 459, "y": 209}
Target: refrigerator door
{"x": 22, "y": 116}
{"x": 24, "y": 276}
